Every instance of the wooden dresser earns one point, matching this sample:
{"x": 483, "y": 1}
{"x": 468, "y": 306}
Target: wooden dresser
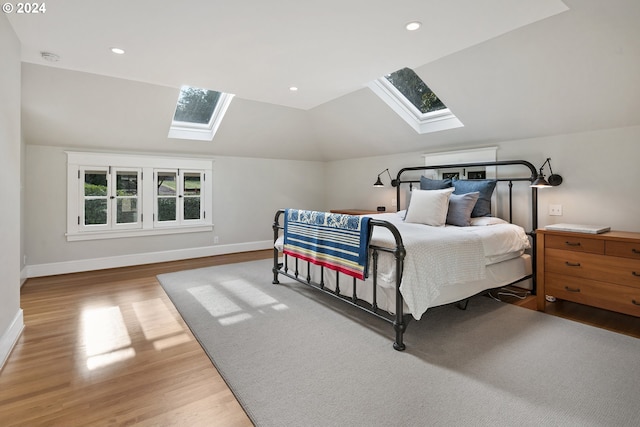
{"x": 601, "y": 270}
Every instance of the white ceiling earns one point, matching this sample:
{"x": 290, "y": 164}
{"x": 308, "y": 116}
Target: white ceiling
{"x": 257, "y": 49}
{"x": 506, "y": 77}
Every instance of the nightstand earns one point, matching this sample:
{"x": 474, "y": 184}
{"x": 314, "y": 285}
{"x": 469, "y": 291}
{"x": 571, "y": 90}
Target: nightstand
{"x": 600, "y": 270}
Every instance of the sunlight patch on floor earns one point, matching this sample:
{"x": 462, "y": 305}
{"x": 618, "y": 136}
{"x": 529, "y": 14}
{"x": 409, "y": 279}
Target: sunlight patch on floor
{"x": 214, "y": 301}
{"x": 159, "y": 324}
{"x": 156, "y": 320}
{"x": 248, "y": 293}
{"x": 230, "y": 320}
{"x": 105, "y": 336}
{"x": 233, "y": 301}
{"x": 106, "y": 359}
{"x": 165, "y": 343}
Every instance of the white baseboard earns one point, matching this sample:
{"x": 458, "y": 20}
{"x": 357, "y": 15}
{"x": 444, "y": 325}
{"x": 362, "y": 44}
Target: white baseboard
{"x": 23, "y": 275}
{"x": 49, "y": 269}
{"x": 10, "y": 337}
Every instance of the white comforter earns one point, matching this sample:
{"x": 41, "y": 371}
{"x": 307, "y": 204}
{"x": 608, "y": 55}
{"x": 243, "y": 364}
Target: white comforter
{"x": 441, "y": 256}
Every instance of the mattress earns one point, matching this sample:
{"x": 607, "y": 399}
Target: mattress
{"x": 442, "y": 264}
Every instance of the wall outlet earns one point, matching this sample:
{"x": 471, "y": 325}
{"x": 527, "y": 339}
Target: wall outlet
{"x": 555, "y": 210}
{"x": 216, "y": 240}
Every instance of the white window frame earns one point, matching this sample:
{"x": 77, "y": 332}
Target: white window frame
{"x": 203, "y": 178}
{"x": 111, "y": 199}
{"x": 82, "y": 198}
{"x": 78, "y": 161}
{"x": 180, "y": 198}
{"x": 421, "y": 122}
{"x": 114, "y": 198}
{"x": 156, "y": 215}
{"x": 198, "y": 131}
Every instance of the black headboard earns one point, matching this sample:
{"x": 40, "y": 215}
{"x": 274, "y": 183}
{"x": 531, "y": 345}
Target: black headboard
{"x": 534, "y": 191}
{"x": 534, "y": 194}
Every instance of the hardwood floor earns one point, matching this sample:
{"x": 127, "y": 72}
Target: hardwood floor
{"x": 109, "y": 348}
{"x": 616, "y": 322}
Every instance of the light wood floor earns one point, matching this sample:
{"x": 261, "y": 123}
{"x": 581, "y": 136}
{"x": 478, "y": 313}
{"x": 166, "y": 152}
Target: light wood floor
{"x": 109, "y": 348}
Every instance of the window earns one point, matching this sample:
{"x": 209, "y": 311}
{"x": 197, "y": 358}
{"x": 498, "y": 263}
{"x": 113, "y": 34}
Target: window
{"x": 109, "y": 198}
{"x": 113, "y": 195}
{"x": 126, "y": 197}
{"x": 191, "y": 198}
{"x": 95, "y": 209}
{"x": 406, "y": 93}
{"x": 199, "y": 113}
{"x": 166, "y": 197}
{"x": 178, "y": 197}
{"x": 411, "y": 86}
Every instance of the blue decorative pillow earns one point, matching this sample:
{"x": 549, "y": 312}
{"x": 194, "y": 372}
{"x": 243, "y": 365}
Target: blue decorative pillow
{"x": 484, "y": 186}
{"x": 460, "y": 208}
{"x": 435, "y": 184}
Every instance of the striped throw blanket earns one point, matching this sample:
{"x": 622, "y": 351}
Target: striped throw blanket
{"x": 335, "y": 241}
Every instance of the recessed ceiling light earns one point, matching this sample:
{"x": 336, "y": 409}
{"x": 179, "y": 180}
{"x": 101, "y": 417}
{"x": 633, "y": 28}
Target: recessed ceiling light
{"x": 51, "y": 57}
{"x": 293, "y": 88}
{"x": 413, "y": 25}
{"x": 117, "y": 50}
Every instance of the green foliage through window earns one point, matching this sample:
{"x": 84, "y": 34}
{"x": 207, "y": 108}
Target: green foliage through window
{"x": 415, "y": 90}
{"x": 95, "y": 183}
{"x": 196, "y": 105}
{"x": 167, "y": 209}
{"x": 95, "y": 211}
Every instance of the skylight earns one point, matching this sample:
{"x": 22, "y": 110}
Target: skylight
{"x": 409, "y": 96}
{"x": 199, "y": 113}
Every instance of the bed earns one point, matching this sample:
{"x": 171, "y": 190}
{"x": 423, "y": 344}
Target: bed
{"x": 444, "y": 248}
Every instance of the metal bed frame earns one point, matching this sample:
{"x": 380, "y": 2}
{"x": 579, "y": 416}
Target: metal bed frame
{"x": 399, "y": 319}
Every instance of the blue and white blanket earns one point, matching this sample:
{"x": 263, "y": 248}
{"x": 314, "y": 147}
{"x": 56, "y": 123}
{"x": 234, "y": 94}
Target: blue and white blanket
{"x": 336, "y": 241}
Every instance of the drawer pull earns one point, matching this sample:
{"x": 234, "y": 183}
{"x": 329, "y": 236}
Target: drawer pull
{"x": 635, "y": 273}
{"x": 566, "y": 288}
{"x": 635, "y": 251}
{"x": 634, "y": 302}
{"x": 573, "y": 264}
{"x": 572, "y": 243}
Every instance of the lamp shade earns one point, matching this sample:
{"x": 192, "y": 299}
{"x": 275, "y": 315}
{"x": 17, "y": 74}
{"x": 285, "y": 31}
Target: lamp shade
{"x": 378, "y": 182}
{"x": 540, "y": 182}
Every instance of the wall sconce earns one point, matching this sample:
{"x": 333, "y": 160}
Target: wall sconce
{"x": 378, "y": 182}
{"x": 540, "y": 182}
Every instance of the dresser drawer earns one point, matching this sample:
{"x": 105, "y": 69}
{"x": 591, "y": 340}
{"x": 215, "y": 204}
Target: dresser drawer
{"x": 622, "y": 271}
{"x": 622, "y": 249}
{"x": 618, "y": 298}
{"x": 577, "y": 243}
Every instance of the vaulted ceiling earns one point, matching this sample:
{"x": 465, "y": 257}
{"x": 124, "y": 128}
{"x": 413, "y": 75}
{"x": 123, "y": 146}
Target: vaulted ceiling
{"x": 508, "y": 69}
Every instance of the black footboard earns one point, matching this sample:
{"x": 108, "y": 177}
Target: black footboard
{"x": 399, "y": 319}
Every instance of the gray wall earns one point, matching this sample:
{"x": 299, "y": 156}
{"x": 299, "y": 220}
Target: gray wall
{"x": 10, "y": 149}
{"x": 600, "y": 171}
{"x": 246, "y": 194}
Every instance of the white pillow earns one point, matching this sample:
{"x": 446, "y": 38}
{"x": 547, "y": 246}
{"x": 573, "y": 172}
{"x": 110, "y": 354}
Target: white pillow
{"x": 429, "y": 207}
{"x": 487, "y": 220}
